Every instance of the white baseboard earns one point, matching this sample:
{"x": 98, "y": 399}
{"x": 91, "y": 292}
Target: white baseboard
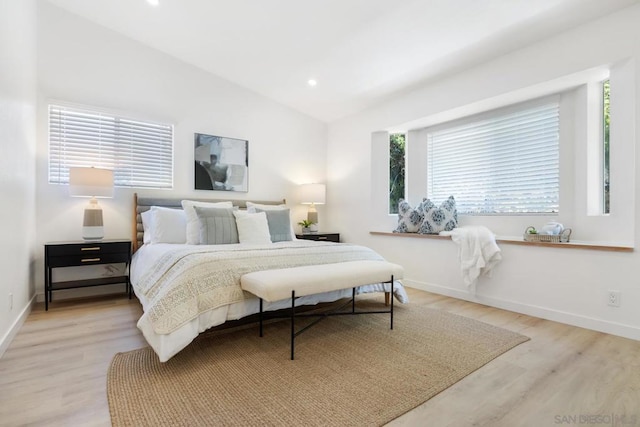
{"x": 13, "y": 330}
{"x": 573, "y": 319}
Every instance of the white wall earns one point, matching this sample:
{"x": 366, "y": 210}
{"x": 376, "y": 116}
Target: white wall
{"x": 17, "y": 162}
{"x": 86, "y": 64}
{"x": 560, "y": 284}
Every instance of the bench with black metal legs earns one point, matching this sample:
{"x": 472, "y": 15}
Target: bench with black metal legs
{"x": 295, "y": 282}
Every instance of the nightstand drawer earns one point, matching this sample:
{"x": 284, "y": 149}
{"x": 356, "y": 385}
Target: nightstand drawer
{"x": 327, "y": 237}
{"x": 87, "y": 259}
{"x": 89, "y": 249}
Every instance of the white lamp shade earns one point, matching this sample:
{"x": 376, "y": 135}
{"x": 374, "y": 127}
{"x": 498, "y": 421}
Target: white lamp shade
{"x": 90, "y": 182}
{"x": 311, "y": 194}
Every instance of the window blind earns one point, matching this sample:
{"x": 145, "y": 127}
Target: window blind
{"x": 139, "y": 152}
{"x": 506, "y": 163}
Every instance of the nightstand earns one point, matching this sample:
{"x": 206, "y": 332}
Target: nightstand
{"x": 329, "y": 237}
{"x": 82, "y": 253}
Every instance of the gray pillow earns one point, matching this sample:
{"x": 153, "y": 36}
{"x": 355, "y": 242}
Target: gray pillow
{"x": 279, "y": 224}
{"x": 217, "y": 226}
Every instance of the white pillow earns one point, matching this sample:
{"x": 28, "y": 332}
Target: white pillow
{"x": 193, "y": 223}
{"x": 168, "y": 225}
{"x": 251, "y": 208}
{"x": 146, "y": 226}
{"x": 253, "y": 228}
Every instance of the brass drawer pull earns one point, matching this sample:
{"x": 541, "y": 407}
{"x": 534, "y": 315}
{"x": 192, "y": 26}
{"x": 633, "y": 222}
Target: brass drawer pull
{"x": 90, "y": 259}
{"x": 322, "y": 237}
{"x": 93, "y": 248}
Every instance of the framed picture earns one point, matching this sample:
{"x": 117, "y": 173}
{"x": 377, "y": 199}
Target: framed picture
{"x": 221, "y": 163}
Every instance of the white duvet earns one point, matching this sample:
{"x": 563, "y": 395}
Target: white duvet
{"x": 172, "y": 283}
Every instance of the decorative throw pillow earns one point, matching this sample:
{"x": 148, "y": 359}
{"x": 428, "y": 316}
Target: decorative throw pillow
{"x": 146, "y": 218}
{"x": 168, "y": 225}
{"x": 252, "y": 227}
{"x": 253, "y": 207}
{"x": 279, "y": 224}
{"x": 217, "y": 226}
{"x": 437, "y": 219}
{"x": 193, "y": 226}
{"x": 409, "y": 219}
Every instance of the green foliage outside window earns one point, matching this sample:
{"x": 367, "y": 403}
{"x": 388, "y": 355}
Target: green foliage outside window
{"x": 606, "y": 123}
{"x": 396, "y": 170}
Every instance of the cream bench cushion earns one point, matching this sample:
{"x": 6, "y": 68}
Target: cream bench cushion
{"x": 274, "y": 285}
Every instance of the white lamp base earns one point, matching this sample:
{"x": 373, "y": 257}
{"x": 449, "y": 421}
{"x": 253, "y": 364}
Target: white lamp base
{"x": 92, "y": 226}
{"x": 93, "y": 233}
{"x": 312, "y": 214}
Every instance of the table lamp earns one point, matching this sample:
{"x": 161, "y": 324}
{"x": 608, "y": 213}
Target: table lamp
{"x": 94, "y": 183}
{"x": 312, "y": 194}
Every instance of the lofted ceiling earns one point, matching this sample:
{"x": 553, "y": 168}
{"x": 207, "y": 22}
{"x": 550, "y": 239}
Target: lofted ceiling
{"x": 359, "y": 51}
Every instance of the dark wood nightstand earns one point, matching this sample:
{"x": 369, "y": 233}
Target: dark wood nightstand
{"x": 81, "y": 253}
{"x": 329, "y": 237}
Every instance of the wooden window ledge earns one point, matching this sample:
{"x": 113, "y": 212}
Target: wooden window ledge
{"x": 520, "y": 241}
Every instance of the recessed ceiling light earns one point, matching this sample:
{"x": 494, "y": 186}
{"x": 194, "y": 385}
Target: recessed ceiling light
{"x": 153, "y": 2}
{"x": 312, "y": 82}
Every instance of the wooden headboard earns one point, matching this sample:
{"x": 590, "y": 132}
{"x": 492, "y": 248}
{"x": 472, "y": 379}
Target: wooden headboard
{"x": 142, "y": 204}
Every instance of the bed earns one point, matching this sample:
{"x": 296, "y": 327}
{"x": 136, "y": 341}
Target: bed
{"x": 189, "y": 281}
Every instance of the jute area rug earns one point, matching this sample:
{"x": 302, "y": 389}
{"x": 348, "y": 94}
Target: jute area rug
{"x": 349, "y": 371}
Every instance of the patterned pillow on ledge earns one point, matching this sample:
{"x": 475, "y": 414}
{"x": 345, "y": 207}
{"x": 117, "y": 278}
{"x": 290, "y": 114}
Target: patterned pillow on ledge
{"x": 409, "y": 219}
{"x": 437, "y": 219}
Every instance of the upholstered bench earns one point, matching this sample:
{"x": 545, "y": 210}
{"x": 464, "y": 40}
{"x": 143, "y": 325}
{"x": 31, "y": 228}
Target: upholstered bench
{"x": 284, "y": 283}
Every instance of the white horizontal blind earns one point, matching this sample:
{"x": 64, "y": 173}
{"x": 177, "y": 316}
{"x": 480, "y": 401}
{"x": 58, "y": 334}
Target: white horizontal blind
{"x": 140, "y": 153}
{"x": 508, "y": 163}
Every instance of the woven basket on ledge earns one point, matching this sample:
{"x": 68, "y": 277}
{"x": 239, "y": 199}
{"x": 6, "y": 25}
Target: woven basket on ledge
{"x": 547, "y": 238}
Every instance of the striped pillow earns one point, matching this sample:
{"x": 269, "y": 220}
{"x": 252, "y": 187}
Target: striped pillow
{"x": 217, "y": 226}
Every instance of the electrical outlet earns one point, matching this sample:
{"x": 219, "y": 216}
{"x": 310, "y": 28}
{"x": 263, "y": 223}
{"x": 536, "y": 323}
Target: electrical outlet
{"x": 613, "y": 298}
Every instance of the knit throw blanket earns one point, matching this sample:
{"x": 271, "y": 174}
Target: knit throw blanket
{"x": 189, "y": 281}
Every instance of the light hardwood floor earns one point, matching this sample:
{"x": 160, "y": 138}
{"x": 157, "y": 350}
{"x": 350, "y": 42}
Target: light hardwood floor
{"x": 54, "y": 372}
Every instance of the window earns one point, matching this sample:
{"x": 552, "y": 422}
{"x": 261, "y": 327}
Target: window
{"x": 139, "y": 152}
{"x": 396, "y": 170}
{"x": 507, "y": 162}
{"x": 606, "y": 118}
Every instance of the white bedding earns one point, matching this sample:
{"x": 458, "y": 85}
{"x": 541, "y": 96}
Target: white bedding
{"x": 166, "y": 344}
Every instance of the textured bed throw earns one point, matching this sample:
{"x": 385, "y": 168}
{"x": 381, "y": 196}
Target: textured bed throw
{"x": 187, "y": 282}
{"x": 349, "y": 371}
{"x": 477, "y": 251}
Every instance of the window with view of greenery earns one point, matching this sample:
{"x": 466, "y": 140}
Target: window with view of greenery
{"x": 396, "y": 170}
{"x": 605, "y": 143}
